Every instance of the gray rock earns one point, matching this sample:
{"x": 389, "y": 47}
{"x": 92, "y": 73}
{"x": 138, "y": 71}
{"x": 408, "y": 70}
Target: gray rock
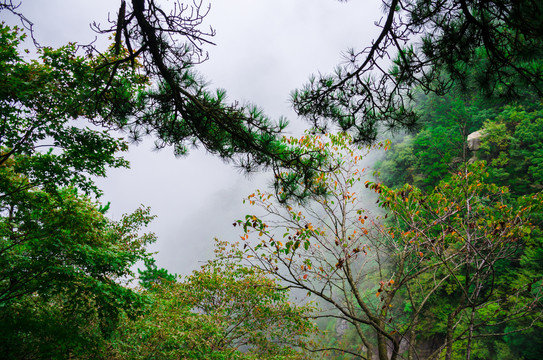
{"x": 474, "y": 140}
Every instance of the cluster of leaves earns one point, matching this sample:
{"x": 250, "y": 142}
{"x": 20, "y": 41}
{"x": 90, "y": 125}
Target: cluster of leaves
{"x": 61, "y": 267}
{"x": 510, "y": 143}
{"x": 63, "y": 263}
{"x": 61, "y": 260}
{"x": 435, "y": 46}
{"x": 39, "y": 101}
{"x": 439, "y": 148}
{"x": 513, "y": 146}
{"x": 447, "y": 251}
{"x": 459, "y": 260}
{"x": 473, "y": 239}
{"x": 223, "y": 311}
{"x": 179, "y": 109}
{"x": 290, "y": 186}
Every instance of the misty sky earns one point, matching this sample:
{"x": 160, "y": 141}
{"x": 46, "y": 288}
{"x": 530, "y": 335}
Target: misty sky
{"x": 265, "y": 49}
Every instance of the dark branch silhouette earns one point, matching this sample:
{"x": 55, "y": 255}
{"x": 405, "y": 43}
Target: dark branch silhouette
{"x": 429, "y": 46}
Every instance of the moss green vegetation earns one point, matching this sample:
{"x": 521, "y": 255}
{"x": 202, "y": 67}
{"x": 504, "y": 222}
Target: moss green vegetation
{"x": 448, "y": 267}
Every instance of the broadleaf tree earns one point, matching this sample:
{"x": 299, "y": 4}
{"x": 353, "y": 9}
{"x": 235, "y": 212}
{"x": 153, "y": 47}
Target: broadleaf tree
{"x": 62, "y": 261}
{"x": 225, "y": 310}
{"x": 165, "y": 97}
{"x": 384, "y": 272}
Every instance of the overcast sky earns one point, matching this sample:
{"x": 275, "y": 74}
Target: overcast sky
{"x": 265, "y": 49}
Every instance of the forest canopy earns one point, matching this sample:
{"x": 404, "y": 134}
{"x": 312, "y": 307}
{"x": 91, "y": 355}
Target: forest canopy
{"x": 445, "y": 265}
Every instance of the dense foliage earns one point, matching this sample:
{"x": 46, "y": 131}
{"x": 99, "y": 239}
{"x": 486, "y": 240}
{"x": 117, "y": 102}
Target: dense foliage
{"x": 65, "y": 267}
{"x": 61, "y": 259}
{"x": 223, "y": 311}
{"x": 509, "y": 142}
{"x": 435, "y": 46}
{"x": 439, "y": 273}
{"x": 449, "y": 266}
